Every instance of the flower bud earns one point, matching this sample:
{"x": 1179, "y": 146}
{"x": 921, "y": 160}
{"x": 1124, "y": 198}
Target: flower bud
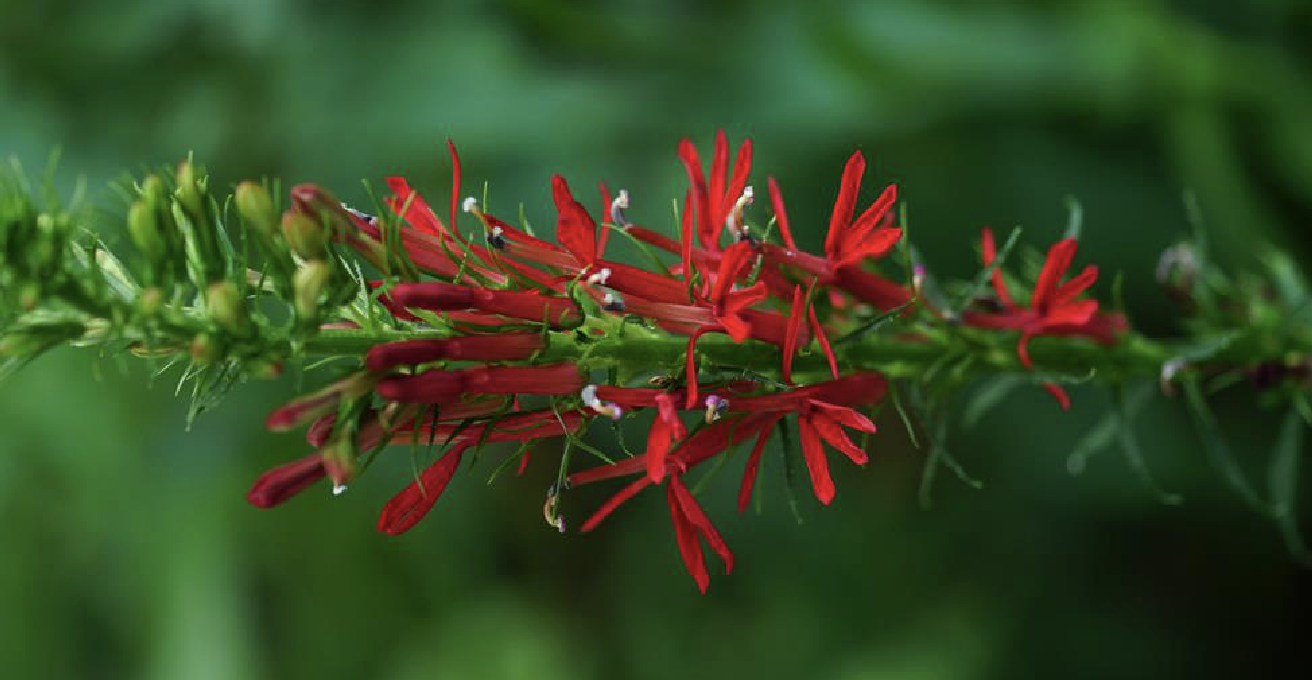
{"x": 309, "y": 285}
{"x": 339, "y": 462}
{"x": 143, "y": 226}
{"x": 256, "y": 208}
{"x": 150, "y": 301}
{"x": 205, "y": 349}
{"x": 191, "y": 189}
{"x": 304, "y": 234}
{"x": 228, "y": 308}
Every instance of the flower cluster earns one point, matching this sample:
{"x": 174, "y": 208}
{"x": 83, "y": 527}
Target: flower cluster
{"x": 482, "y": 324}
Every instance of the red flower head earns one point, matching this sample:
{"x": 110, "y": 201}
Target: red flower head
{"x": 1054, "y": 309}
{"x": 714, "y": 205}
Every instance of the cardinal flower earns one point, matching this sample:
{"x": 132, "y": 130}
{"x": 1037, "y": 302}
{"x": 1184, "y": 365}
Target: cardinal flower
{"x": 1055, "y": 308}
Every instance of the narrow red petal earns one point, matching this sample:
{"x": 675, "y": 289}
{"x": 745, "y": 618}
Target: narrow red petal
{"x": 614, "y": 502}
{"x": 1054, "y": 268}
{"x": 794, "y": 330}
{"x": 824, "y": 341}
{"x": 781, "y": 215}
{"x": 816, "y": 463}
{"x": 1055, "y": 390}
{"x": 999, "y": 283}
{"x": 719, "y": 175}
{"x": 408, "y": 507}
{"x": 1078, "y": 284}
{"x": 605, "y": 212}
{"x": 701, "y": 522}
{"x": 690, "y": 548}
{"x": 455, "y": 184}
{"x": 749, "y": 474}
{"x": 741, "y": 169}
{"x": 693, "y": 165}
{"x": 845, "y": 205}
{"x": 833, "y": 433}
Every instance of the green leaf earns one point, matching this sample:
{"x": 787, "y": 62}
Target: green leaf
{"x": 1218, "y": 452}
{"x": 988, "y": 397}
{"x": 1282, "y": 480}
{"x": 1133, "y": 453}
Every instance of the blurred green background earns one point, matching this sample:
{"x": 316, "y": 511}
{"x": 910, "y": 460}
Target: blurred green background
{"x": 127, "y": 550}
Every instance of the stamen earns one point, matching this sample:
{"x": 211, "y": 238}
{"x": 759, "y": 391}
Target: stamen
{"x": 589, "y": 396}
{"x": 617, "y": 207}
{"x": 470, "y": 205}
{"x": 370, "y": 219}
{"x": 735, "y": 219}
{"x": 339, "y": 489}
{"x": 495, "y": 238}
{"x": 600, "y": 277}
{"x": 612, "y": 303}
{"x": 715, "y": 407}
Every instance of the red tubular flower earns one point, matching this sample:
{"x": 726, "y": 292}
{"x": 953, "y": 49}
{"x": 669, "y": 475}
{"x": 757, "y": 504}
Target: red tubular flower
{"x": 728, "y": 304}
{"x": 1054, "y": 308}
{"x": 503, "y": 347}
{"x": 558, "y": 313}
{"x": 440, "y": 386}
{"x": 281, "y": 483}
{"x": 821, "y": 421}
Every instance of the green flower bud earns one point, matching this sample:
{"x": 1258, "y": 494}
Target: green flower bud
{"x": 150, "y": 301}
{"x": 309, "y": 285}
{"x": 205, "y": 349}
{"x": 256, "y": 207}
{"x": 143, "y": 226}
{"x": 305, "y": 235}
{"x": 339, "y": 462}
{"x": 191, "y": 189}
{"x": 227, "y": 306}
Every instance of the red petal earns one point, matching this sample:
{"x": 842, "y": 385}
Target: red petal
{"x": 1078, "y": 284}
{"x": 823, "y": 340}
{"x": 575, "y": 228}
{"x": 845, "y": 205}
{"x": 605, "y": 212}
{"x": 781, "y": 215}
{"x": 1054, "y": 268}
{"x": 1075, "y": 313}
{"x": 701, "y": 522}
{"x": 1055, "y": 390}
{"x": 417, "y": 212}
{"x": 830, "y": 430}
{"x": 685, "y": 245}
{"x": 999, "y": 284}
{"x": 614, "y": 502}
{"x": 719, "y": 173}
{"x": 874, "y": 245}
{"x": 408, "y": 507}
{"x": 690, "y": 549}
{"x": 749, "y": 475}
{"x": 816, "y": 463}
{"x": 455, "y": 185}
{"x": 791, "y": 337}
{"x": 741, "y": 168}
{"x": 693, "y": 165}
{"x": 690, "y": 364}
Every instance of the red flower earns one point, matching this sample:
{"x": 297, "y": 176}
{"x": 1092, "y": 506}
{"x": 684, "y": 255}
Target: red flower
{"x": 848, "y": 243}
{"x": 408, "y": 507}
{"x": 1054, "y": 309}
{"x": 575, "y": 228}
{"x": 666, "y": 429}
{"x": 713, "y": 205}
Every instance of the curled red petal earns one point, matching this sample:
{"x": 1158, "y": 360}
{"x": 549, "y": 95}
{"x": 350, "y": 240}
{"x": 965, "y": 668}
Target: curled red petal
{"x": 690, "y": 547}
{"x": 749, "y": 474}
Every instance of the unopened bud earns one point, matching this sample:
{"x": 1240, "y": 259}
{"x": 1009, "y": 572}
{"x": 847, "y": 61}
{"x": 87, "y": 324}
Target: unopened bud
{"x": 150, "y": 301}
{"x": 227, "y": 307}
{"x": 256, "y": 207}
{"x": 304, "y": 234}
{"x": 191, "y": 189}
{"x": 265, "y": 369}
{"x": 309, "y": 285}
{"x": 205, "y": 349}
{"x": 143, "y": 226}
{"x": 339, "y": 462}
{"x": 30, "y": 295}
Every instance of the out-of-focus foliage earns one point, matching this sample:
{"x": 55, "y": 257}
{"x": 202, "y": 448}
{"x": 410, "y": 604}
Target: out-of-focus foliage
{"x": 129, "y": 553}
